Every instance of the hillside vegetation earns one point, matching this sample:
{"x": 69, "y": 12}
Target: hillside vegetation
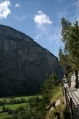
{"x": 35, "y": 107}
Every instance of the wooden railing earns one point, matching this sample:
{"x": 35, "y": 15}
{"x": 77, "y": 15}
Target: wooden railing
{"x": 72, "y": 104}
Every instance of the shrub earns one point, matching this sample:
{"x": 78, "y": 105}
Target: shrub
{"x": 4, "y": 109}
{"x": 22, "y": 100}
{"x": 10, "y": 111}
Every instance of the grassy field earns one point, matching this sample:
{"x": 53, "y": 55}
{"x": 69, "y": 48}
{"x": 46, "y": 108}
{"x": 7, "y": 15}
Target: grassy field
{"x": 2, "y": 115}
{"x": 13, "y": 106}
{"x": 56, "y": 94}
{"x": 26, "y": 97}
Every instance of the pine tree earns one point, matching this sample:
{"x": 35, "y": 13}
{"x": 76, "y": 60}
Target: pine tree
{"x": 63, "y": 59}
{"x": 65, "y": 26}
{"x": 72, "y": 44}
{"x": 70, "y": 36}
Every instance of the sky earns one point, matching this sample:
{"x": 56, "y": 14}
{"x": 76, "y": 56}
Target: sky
{"x": 40, "y": 19}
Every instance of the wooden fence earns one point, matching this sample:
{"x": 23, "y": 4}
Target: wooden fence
{"x": 72, "y": 104}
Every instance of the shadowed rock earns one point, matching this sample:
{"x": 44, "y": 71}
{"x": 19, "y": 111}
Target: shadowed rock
{"x": 24, "y": 64}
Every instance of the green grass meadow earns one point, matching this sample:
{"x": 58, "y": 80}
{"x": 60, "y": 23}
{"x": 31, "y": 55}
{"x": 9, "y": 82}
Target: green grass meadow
{"x": 13, "y": 106}
{"x": 5, "y": 114}
{"x": 26, "y": 97}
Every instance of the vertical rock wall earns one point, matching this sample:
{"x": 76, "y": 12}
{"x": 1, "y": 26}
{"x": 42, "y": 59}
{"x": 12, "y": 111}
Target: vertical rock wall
{"x": 24, "y": 64}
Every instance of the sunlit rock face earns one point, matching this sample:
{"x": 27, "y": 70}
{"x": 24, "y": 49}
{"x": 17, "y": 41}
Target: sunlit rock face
{"x": 24, "y": 64}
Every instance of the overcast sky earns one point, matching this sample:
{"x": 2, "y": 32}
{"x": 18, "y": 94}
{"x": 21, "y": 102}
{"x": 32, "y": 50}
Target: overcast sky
{"x": 39, "y": 19}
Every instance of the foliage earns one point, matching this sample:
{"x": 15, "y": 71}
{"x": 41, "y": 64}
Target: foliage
{"x": 36, "y": 107}
{"x": 65, "y": 26}
{"x": 49, "y": 84}
{"x": 72, "y": 44}
{"x": 60, "y": 109}
{"x": 64, "y": 60}
{"x": 12, "y": 101}
{"x": 70, "y": 34}
{"x": 4, "y": 108}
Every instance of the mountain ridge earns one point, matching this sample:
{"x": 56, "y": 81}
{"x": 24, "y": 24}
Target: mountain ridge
{"x": 6, "y": 28}
{"x": 24, "y": 64}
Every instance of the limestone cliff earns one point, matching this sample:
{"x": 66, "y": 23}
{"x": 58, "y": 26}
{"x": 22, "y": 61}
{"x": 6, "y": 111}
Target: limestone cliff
{"x": 24, "y": 64}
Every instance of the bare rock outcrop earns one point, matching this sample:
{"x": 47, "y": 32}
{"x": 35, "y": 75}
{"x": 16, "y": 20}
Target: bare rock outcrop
{"x": 24, "y": 64}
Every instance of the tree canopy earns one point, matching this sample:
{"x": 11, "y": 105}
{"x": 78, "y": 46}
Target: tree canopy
{"x": 63, "y": 59}
{"x": 70, "y": 35}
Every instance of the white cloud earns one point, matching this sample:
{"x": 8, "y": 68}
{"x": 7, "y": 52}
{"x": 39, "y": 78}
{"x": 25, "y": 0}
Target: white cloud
{"x": 73, "y": 15}
{"x": 49, "y": 34}
{"x": 62, "y": 14}
{"x": 20, "y": 18}
{"x": 37, "y": 37}
{"x": 17, "y": 5}
{"x": 76, "y": 16}
{"x": 45, "y": 31}
{"x": 50, "y": 38}
{"x": 4, "y": 9}
{"x": 54, "y": 35}
{"x": 41, "y": 18}
{"x": 42, "y": 22}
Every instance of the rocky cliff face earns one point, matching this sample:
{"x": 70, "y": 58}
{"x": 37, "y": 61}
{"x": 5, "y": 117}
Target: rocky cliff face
{"x": 24, "y": 64}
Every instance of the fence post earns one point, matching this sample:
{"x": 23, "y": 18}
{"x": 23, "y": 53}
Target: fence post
{"x": 71, "y": 107}
{"x": 63, "y": 88}
{"x": 76, "y": 74}
{"x": 65, "y": 95}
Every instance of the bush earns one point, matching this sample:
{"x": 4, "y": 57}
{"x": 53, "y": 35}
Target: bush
{"x": 4, "y": 108}
{"x": 12, "y": 101}
{"x": 18, "y": 101}
{"x": 49, "y": 84}
{"x": 22, "y": 100}
{"x": 10, "y": 111}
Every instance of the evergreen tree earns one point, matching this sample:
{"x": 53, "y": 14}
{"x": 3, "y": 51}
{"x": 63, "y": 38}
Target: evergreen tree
{"x": 70, "y": 35}
{"x": 65, "y": 26}
{"x": 60, "y": 54}
{"x": 72, "y": 45}
{"x": 47, "y": 88}
{"x": 63, "y": 59}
